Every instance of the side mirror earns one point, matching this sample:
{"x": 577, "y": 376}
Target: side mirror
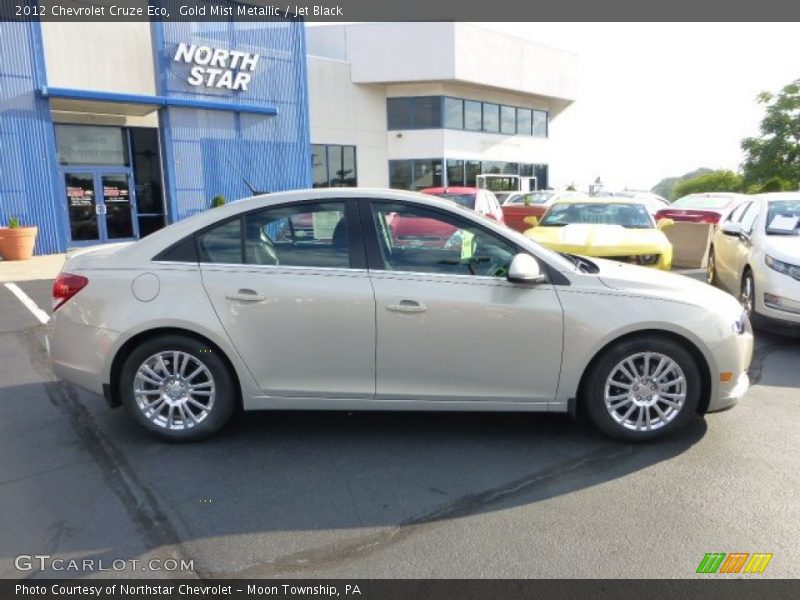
{"x": 664, "y": 223}
{"x": 731, "y": 228}
{"x": 525, "y": 269}
{"x": 532, "y": 221}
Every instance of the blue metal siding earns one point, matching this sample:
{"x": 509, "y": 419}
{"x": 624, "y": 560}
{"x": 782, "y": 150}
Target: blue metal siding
{"x": 206, "y": 152}
{"x": 29, "y": 184}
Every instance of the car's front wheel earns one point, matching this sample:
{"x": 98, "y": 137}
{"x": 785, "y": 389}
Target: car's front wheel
{"x": 177, "y": 387}
{"x": 643, "y": 388}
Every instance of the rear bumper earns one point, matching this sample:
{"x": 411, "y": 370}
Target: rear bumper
{"x": 80, "y": 353}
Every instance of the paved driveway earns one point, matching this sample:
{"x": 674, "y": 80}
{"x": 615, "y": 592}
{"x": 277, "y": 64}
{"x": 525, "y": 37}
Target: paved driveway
{"x": 391, "y": 495}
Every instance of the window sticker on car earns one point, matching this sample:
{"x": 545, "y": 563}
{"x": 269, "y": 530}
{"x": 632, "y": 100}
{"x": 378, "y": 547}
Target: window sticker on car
{"x": 467, "y": 245}
{"x": 324, "y": 224}
{"x": 784, "y": 222}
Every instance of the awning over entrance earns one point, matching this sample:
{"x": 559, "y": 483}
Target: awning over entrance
{"x": 137, "y": 105}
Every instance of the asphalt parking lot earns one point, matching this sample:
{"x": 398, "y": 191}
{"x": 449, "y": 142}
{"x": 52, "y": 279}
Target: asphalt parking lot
{"x": 390, "y": 495}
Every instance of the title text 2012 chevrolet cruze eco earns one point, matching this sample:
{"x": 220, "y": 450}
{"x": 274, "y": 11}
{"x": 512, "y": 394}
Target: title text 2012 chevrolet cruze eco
{"x": 312, "y": 300}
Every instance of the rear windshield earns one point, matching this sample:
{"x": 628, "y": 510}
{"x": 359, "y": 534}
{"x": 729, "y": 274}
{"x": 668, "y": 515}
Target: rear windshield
{"x": 465, "y": 200}
{"x": 783, "y": 217}
{"x": 634, "y": 216}
{"x": 530, "y": 198}
{"x": 702, "y": 202}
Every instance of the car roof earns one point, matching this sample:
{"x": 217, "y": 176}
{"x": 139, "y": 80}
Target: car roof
{"x": 772, "y": 196}
{"x": 600, "y": 200}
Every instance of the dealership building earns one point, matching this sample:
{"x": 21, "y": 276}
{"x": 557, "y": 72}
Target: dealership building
{"x": 109, "y": 131}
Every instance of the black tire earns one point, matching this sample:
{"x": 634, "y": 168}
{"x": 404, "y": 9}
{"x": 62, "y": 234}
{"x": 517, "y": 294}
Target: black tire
{"x": 711, "y": 269}
{"x": 222, "y": 383}
{"x": 594, "y": 389}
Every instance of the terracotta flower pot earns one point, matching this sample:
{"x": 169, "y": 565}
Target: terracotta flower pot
{"x": 17, "y": 243}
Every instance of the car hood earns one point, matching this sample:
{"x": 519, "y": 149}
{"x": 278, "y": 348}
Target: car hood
{"x": 785, "y": 248}
{"x": 670, "y": 286}
{"x": 599, "y": 240}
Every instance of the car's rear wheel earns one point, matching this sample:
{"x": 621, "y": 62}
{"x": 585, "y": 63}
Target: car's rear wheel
{"x": 643, "y": 388}
{"x": 711, "y": 268}
{"x": 177, "y": 387}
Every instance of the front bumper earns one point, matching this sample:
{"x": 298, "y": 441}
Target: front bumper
{"x": 778, "y": 297}
{"x": 734, "y": 356}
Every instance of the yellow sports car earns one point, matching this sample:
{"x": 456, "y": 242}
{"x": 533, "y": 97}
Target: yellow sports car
{"x": 616, "y": 229}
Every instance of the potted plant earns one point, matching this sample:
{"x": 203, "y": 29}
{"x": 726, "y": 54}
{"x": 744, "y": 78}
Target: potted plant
{"x": 16, "y": 241}
{"x": 218, "y": 200}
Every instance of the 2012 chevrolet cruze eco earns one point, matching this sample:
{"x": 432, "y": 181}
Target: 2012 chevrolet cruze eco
{"x": 308, "y": 300}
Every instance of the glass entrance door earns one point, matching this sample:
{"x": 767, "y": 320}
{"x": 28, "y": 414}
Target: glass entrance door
{"x": 100, "y": 206}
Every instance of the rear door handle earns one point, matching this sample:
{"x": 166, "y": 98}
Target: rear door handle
{"x": 246, "y": 296}
{"x": 408, "y": 306}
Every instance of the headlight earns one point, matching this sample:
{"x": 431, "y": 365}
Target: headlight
{"x": 739, "y": 326}
{"x": 783, "y": 267}
{"x": 647, "y": 259}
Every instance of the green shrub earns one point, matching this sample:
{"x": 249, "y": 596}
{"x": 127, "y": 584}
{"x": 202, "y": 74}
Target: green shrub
{"x": 218, "y": 200}
{"x": 13, "y": 223}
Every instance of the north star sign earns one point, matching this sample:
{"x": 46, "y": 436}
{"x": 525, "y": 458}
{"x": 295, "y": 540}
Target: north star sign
{"x": 216, "y": 67}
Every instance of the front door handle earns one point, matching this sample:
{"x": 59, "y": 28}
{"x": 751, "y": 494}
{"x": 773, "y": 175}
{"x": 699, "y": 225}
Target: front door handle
{"x": 408, "y": 306}
{"x": 246, "y": 296}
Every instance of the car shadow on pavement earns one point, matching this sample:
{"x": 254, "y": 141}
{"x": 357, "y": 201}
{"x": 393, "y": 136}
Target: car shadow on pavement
{"x": 373, "y": 478}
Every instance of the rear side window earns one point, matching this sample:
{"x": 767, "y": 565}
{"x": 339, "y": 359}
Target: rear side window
{"x": 302, "y": 235}
{"x": 222, "y": 243}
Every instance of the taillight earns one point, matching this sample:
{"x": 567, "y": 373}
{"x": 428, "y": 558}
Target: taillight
{"x": 66, "y": 286}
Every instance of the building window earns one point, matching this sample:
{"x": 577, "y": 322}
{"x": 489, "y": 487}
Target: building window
{"x": 453, "y": 113}
{"x": 540, "y": 123}
{"x": 524, "y": 121}
{"x": 472, "y": 168}
{"x": 94, "y": 145}
{"x": 436, "y": 112}
{"x": 455, "y": 172}
{"x": 333, "y": 166}
{"x": 426, "y": 112}
{"x": 491, "y": 117}
{"x": 421, "y": 112}
{"x": 400, "y": 174}
{"x": 147, "y": 179}
{"x": 398, "y": 112}
{"x": 415, "y": 174}
{"x": 508, "y": 120}
{"x": 472, "y": 115}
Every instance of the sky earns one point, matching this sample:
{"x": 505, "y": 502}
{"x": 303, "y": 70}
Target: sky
{"x": 661, "y": 99}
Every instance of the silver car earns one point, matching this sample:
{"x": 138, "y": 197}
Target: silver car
{"x": 364, "y": 299}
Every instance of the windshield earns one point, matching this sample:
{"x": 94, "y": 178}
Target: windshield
{"x": 702, "y": 202}
{"x": 633, "y": 216}
{"x": 465, "y": 200}
{"x": 783, "y": 217}
{"x": 530, "y": 198}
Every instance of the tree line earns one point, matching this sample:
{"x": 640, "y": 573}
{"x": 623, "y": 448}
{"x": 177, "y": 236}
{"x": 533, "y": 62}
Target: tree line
{"x": 771, "y": 160}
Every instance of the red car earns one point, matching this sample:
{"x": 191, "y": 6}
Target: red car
{"x": 701, "y": 208}
{"x": 481, "y": 201}
{"x": 419, "y": 231}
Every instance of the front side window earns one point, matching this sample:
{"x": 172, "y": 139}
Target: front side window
{"x": 749, "y": 217}
{"x": 417, "y": 239}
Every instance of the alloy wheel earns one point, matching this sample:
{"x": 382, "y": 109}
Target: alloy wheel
{"x": 174, "y": 390}
{"x": 645, "y": 391}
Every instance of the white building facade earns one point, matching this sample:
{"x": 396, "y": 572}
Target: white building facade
{"x": 415, "y": 105}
